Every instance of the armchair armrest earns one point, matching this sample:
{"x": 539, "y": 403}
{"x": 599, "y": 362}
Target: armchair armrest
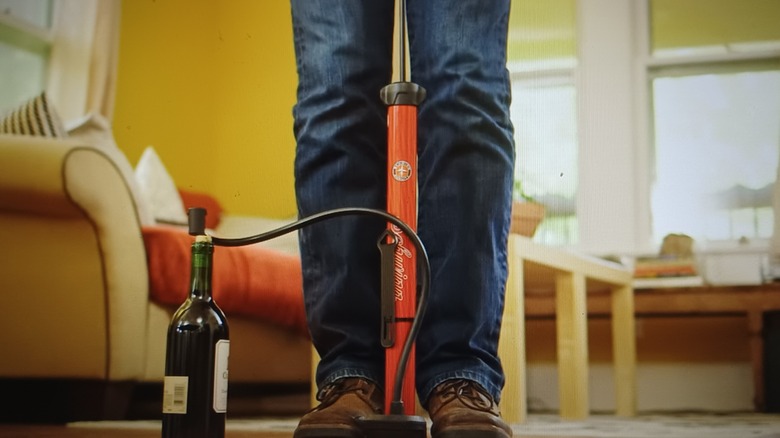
{"x": 47, "y": 183}
{"x": 31, "y": 176}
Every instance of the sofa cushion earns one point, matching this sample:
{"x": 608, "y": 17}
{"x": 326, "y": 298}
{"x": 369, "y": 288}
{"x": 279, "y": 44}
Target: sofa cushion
{"x": 248, "y": 280}
{"x": 34, "y": 117}
{"x": 158, "y": 189}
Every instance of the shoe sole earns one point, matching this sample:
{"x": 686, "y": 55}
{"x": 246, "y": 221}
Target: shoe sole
{"x": 470, "y": 433}
{"x": 327, "y": 432}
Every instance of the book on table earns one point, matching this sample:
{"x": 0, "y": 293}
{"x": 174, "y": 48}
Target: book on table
{"x": 666, "y": 271}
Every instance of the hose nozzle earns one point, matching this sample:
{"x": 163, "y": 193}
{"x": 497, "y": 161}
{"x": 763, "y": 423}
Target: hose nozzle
{"x": 196, "y": 219}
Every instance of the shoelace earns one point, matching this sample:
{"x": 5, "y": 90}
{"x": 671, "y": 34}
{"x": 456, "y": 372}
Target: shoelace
{"x": 467, "y": 392}
{"x": 332, "y": 393}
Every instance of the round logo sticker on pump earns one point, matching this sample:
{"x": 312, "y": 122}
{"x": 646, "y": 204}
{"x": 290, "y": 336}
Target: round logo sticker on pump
{"x": 402, "y": 170}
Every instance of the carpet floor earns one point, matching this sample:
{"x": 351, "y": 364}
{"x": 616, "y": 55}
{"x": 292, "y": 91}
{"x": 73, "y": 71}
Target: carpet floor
{"x": 538, "y": 426}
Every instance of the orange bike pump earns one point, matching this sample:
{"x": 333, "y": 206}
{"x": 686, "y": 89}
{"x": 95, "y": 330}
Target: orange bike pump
{"x": 400, "y": 321}
{"x": 402, "y": 99}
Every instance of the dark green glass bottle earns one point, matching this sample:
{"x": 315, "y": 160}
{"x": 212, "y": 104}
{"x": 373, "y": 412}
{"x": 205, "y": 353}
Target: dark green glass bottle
{"x": 196, "y": 371}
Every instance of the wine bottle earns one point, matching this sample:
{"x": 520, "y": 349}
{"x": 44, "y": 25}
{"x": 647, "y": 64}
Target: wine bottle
{"x": 196, "y": 371}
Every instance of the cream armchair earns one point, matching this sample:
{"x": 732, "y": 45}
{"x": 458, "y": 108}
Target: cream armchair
{"x": 74, "y": 282}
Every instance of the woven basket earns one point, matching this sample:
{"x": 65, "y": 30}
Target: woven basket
{"x": 526, "y": 216}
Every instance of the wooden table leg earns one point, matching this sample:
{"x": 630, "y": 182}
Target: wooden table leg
{"x": 313, "y": 390}
{"x": 571, "y": 324}
{"x": 624, "y": 350}
{"x": 756, "y": 333}
{"x": 511, "y": 345}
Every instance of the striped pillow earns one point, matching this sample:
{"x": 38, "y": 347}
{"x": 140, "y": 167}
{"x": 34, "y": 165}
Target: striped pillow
{"x": 34, "y": 117}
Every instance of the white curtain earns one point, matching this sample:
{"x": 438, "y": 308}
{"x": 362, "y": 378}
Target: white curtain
{"x": 84, "y": 57}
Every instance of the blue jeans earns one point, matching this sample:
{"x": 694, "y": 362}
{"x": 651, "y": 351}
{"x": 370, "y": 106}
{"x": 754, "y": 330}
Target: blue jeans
{"x": 465, "y": 168}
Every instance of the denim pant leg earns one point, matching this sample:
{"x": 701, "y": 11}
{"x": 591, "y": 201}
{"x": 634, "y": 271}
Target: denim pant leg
{"x": 466, "y": 167}
{"x": 344, "y": 58}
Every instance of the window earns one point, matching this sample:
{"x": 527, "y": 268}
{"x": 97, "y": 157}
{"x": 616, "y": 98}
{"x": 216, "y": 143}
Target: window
{"x": 640, "y": 103}
{"x": 542, "y": 57}
{"x": 715, "y": 96}
{"x": 25, "y": 47}
{"x": 65, "y": 47}
{"x": 717, "y": 137}
{"x": 546, "y": 138}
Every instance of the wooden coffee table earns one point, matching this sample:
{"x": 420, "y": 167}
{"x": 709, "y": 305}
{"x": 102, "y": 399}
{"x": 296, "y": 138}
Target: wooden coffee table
{"x": 569, "y": 276}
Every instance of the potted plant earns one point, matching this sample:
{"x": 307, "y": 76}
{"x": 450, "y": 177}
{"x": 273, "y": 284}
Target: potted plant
{"x": 527, "y": 214}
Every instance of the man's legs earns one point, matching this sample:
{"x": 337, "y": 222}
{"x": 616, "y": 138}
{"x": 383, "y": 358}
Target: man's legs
{"x": 343, "y": 50}
{"x": 466, "y": 166}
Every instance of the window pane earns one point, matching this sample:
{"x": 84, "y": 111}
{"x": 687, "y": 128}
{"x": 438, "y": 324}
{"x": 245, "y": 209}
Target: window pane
{"x": 542, "y": 30}
{"x": 24, "y": 49}
{"x": 717, "y": 138}
{"x": 544, "y": 115}
{"x": 35, "y": 12}
{"x": 681, "y": 27}
{"x": 23, "y": 75}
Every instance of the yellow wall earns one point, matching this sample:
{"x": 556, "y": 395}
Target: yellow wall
{"x": 542, "y": 29}
{"x": 211, "y": 86}
{"x": 693, "y": 23}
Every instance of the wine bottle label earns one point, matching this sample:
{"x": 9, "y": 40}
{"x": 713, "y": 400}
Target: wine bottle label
{"x": 221, "y": 375}
{"x": 175, "y": 394}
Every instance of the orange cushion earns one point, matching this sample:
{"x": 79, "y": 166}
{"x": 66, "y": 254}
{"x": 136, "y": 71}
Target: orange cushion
{"x": 248, "y": 280}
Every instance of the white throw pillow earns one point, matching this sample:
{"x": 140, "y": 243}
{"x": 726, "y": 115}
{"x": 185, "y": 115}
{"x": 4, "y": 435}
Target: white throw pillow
{"x": 158, "y": 189}
{"x": 94, "y": 130}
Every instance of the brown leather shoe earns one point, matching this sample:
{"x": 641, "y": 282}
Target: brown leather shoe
{"x": 340, "y": 404}
{"x": 463, "y": 409}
